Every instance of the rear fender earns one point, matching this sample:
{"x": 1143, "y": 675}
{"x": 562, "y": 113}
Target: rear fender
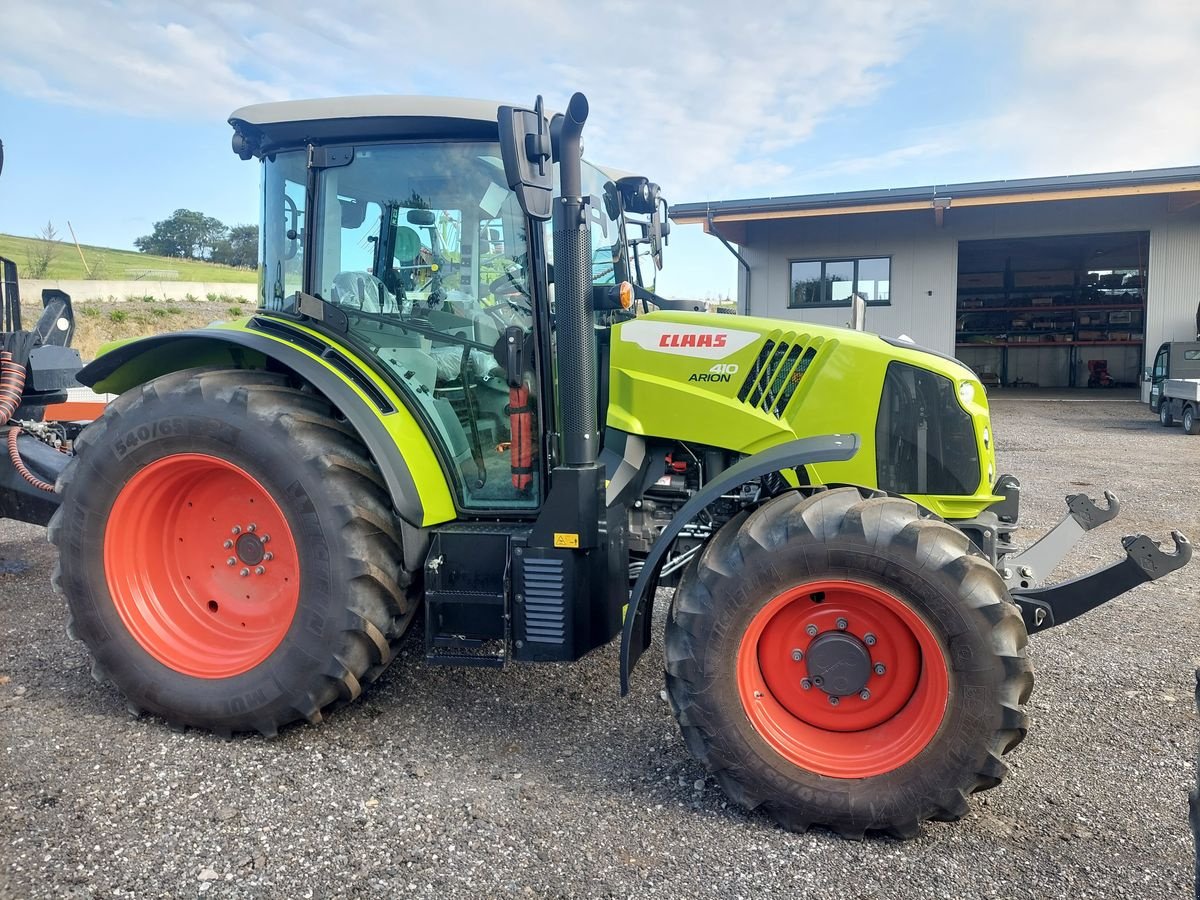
{"x": 635, "y": 637}
{"x": 413, "y": 475}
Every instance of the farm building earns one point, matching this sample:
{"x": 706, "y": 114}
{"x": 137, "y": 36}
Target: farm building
{"x": 1042, "y": 281}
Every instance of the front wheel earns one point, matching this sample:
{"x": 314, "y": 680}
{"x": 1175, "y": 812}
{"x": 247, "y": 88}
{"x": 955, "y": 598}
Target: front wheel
{"x": 842, "y": 661}
{"x": 1164, "y": 413}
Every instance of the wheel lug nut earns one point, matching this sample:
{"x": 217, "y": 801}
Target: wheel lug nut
{"x": 805, "y": 684}
{"x": 797, "y": 655}
{"x": 264, "y": 538}
{"x": 880, "y": 668}
{"x": 869, "y": 639}
{"x": 252, "y": 528}
{"x": 259, "y": 570}
{"x": 244, "y": 572}
{"x": 833, "y": 701}
{"x": 864, "y": 694}
{"x": 268, "y": 556}
{"x": 228, "y": 544}
{"x": 237, "y": 529}
{"x": 232, "y": 561}
{"x": 842, "y": 624}
{"x": 811, "y": 630}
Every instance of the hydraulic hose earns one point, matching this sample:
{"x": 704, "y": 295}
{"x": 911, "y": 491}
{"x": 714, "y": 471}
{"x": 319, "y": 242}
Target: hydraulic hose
{"x": 12, "y": 385}
{"x": 14, "y": 456}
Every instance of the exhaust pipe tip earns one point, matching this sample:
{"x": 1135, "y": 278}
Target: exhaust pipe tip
{"x": 577, "y": 109}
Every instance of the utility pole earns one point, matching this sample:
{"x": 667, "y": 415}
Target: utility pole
{"x": 86, "y": 267}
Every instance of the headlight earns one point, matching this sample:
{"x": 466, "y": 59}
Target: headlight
{"x": 966, "y": 393}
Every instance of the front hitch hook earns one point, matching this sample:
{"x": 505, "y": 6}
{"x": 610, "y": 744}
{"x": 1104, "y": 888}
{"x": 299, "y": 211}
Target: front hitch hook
{"x": 1149, "y": 556}
{"x": 1088, "y": 514}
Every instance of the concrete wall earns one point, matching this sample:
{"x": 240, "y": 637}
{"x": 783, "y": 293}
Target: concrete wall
{"x": 80, "y": 291}
{"x": 924, "y": 273}
{"x": 925, "y": 261}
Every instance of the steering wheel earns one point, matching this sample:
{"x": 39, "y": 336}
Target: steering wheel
{"x": 512, "y": 292}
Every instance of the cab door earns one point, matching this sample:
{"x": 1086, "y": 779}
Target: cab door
{"x": 1162, "y": 365}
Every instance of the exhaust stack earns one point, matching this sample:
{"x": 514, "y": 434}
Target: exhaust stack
{"x": 573, "y": 313}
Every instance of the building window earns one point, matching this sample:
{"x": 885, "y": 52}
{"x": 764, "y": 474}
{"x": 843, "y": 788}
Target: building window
{"x": 832, "y": 282}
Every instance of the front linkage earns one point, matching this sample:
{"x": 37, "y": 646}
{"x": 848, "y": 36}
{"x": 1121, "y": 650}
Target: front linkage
{"x": 1023, "y": 570}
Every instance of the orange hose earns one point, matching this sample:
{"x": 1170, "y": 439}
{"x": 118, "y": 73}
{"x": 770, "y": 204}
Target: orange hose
{"x": 12, "y": 385}
{"x": 19, "y": 464}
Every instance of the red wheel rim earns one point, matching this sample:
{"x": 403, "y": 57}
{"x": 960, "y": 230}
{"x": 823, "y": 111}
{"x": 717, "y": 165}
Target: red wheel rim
{"x": 906, "y": 683}
{"x": 201, "y": 565}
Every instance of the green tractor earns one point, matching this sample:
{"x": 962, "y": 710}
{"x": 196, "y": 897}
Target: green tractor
{"x": 459, "y": 397}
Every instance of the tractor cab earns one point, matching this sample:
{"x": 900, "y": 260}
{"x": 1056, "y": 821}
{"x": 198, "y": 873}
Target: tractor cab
{"x": 422, "y": 254}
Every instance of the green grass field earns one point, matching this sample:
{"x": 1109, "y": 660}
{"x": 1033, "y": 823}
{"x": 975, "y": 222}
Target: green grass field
{"x": 118, "y": 265}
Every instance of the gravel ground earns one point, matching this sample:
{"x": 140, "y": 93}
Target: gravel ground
{"x": 541, "y": 781}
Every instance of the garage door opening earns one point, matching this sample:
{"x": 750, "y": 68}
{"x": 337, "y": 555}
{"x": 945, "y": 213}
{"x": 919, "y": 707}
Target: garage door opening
{"x": 1053, "y": 312}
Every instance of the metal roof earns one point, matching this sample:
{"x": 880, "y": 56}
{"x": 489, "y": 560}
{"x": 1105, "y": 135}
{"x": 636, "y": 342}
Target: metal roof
{"x": 972, "y": 193}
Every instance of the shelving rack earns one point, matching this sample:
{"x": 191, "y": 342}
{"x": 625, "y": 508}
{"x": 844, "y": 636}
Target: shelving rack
{"x": 1049, "y": 309}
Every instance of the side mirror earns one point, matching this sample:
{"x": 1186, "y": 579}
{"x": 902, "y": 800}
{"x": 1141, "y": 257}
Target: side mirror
{"x": 353, "y": 214}
{"x": 664, "y": 220}
{"x": 293, "y": 234}
{"x": 525, "y": 148}
{"x": 657, "y": 234}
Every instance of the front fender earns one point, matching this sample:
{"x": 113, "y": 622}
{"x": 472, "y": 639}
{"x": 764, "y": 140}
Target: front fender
{"x": 413, "y": 474}
{"x": 635, "y": 637}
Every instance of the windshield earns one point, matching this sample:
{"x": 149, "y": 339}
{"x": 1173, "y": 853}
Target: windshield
{"x": 423, "y": 247}
{"x": 608, "y": 237}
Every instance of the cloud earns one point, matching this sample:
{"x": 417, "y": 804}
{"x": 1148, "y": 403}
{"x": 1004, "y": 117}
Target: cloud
{"x": 700, "y": 97}
{"x": 1110, "y": 87}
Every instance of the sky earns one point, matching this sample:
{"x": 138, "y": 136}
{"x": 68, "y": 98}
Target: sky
{"x": 114, "y": 114}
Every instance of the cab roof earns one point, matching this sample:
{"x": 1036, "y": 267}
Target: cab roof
{"x": 266, "y": 127}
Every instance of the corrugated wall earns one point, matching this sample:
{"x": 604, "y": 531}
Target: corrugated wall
{"x": 1173, "y": 290}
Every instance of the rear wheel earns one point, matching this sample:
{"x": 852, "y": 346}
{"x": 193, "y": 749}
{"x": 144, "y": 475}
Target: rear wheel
{"x": 1190, "y": 424}
{"x": 228, "y": 553}
{"x": 841, "y": 661}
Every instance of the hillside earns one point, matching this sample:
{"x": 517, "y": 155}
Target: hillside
{"x": 100, "y": 321}
{"x": 118, "y": 265}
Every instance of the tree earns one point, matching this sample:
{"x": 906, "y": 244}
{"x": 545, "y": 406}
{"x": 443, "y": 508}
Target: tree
{"x": 239, "y": 248}
{"x": 185, "y": 234}
{"x": 41, "y": 253}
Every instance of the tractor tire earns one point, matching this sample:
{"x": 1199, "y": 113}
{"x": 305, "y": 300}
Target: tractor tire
{"x": 839, "y": 660}
{"x": 1164, "y": 414}
{"x": 228, "y": 553}
{"x": 1190, "y": 424}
